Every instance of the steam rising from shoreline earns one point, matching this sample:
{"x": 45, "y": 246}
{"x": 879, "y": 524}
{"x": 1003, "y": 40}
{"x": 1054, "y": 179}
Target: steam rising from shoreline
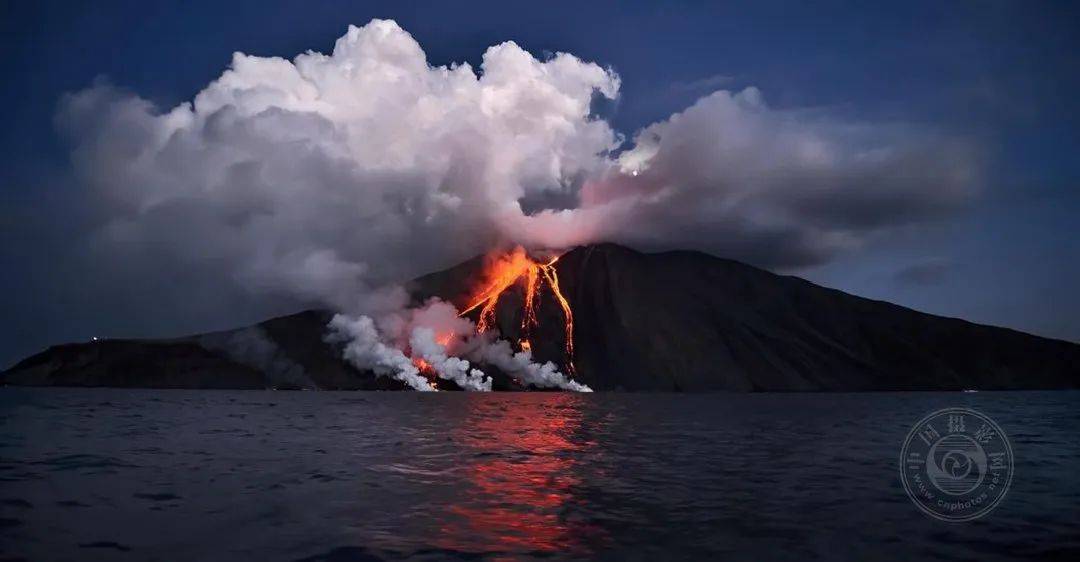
{"x": 435, "y": 336}
{"x": 522, "y": 366}
{"x": 447, "y": 367}
{"x": 364, "y": 350}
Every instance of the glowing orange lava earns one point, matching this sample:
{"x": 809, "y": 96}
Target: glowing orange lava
{"x": 515, "y": 267}
{"x": 552, "y": 277}
{"x": 425, "y": 368}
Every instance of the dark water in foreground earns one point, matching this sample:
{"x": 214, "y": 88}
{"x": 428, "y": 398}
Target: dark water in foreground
{"x": 212, "y": 475}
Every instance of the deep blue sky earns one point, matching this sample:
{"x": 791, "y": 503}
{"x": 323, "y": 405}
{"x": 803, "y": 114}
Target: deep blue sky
{"x": 1004, "y": 74}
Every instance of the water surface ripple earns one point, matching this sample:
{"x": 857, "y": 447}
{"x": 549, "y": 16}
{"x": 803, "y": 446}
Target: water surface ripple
{"x": 89, "y": 474}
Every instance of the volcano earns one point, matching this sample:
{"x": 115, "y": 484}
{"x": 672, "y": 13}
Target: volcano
{"x": 615, "y": 319}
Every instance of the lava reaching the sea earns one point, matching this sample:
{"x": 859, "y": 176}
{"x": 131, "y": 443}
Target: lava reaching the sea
{"x": 517, "y": 267}
{"x": 432, "y": 342}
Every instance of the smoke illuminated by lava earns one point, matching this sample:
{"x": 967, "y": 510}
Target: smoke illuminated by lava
{"x": 418, "y": 345}
{"x": 517, "y": 267}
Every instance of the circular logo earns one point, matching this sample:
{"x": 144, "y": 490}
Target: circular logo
{"x": 956, "y": 464}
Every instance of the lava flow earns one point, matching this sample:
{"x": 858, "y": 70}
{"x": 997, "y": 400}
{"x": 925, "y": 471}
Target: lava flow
{"x": 503, "y": 273}
{"x": 425, "y": 368}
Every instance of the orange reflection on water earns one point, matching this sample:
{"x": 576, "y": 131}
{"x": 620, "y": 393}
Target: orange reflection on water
{"x": 523, "y": 479}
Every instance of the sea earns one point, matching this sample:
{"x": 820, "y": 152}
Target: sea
{"x": 117, "y": 474}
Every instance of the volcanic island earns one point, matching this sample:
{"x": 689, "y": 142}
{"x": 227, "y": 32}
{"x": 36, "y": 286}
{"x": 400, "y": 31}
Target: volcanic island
{"x": 612, "y": 319}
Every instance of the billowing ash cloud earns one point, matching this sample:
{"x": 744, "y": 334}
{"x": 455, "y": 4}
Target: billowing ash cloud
{"x": 310, "y": 176}
{"x": 318, "y": 178}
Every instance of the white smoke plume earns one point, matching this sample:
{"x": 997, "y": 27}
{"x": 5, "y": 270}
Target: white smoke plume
{"x": 439, "y": 318}
{"x": 424, "y": 346}
{"x": 319, "y": 177}
{"x": 434, "y": 333}
{"x": 315, "y": 178}
{"x": 364, "y": 350}
{"x": 521, "y": 365}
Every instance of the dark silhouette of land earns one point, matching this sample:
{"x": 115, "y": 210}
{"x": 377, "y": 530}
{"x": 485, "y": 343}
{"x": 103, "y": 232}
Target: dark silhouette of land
{"x": 671, "y": 321}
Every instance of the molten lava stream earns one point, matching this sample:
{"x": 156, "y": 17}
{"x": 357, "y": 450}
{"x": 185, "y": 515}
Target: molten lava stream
{"x": 552, "y": 277}
{"x": 427, "y": 370}
{"x": 516, "y": 267}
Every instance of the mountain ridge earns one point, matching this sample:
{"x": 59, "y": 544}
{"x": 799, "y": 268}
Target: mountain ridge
{"x": 678, "y": 320}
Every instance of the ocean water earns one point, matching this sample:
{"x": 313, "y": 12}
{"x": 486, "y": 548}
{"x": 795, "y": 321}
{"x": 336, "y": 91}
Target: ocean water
{"x": 109, "y": 474}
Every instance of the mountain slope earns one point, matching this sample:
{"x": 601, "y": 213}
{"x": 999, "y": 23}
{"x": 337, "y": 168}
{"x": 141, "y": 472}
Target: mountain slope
{"x": 687, "y": 321}
{"x": 673, "y": 321}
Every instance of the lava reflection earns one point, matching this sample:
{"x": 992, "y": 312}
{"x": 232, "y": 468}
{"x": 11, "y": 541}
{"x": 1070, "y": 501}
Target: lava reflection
{"x": 521, "y": 487}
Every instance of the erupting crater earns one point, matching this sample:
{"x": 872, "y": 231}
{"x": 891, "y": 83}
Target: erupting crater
{"x": 517, "y": 267}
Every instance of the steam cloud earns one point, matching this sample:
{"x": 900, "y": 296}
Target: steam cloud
{"x": 521, "y": 365}
{"x": 364, "y": 350}
{"x": 436, "y": 334}
{"x": 316, "y": 179}
{"x": 455, "y": 369}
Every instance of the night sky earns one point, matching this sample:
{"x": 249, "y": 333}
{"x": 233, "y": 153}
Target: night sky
{"x": 1001, "y": 77}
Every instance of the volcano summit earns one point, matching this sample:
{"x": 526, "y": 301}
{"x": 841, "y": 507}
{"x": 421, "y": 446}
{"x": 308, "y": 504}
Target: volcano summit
{"x": 614, "y": 319}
